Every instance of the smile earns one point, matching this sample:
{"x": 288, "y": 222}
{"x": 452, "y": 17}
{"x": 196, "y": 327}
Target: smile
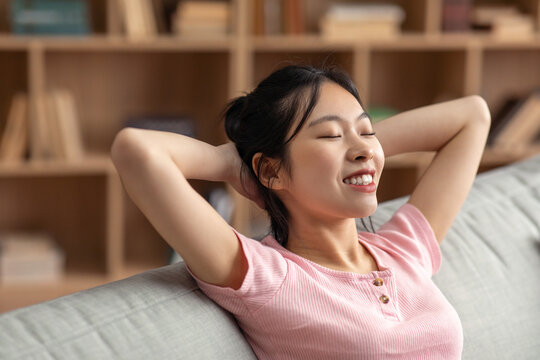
{"x": 365, "y": 179}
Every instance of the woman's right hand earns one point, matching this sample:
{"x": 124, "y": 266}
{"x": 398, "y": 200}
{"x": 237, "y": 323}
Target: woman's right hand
{"x": 238, "y": 175}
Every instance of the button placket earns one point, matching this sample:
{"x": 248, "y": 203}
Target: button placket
{"x": 382, "y": 292}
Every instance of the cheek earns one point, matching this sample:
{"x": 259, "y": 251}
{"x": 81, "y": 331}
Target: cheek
{"x": 311, "y": 170}
{"x": 314, "y": 161}
{"x": 379, "y": 158}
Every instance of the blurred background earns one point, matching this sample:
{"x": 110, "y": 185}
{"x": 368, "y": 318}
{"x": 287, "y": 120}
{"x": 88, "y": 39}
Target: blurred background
{"x": 75, "y": 72}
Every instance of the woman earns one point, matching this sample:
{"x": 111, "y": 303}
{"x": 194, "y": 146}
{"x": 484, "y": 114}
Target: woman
{"x": 316, "y": 288}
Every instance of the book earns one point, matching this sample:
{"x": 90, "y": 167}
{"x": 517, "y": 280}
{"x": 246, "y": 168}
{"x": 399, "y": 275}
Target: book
{"x": 358, "y": 30}
{"x": 14, "y": 140}
{"x": 56, "y": 134}
{"x": 513, "y": 27}
{"x": 258, "y": 17}
{"x": 205, "y": 18}
{"x": 521, "y": 124}
{"x": 273, "y": 21}
{"x": 40, "y": 140}
{"x": 50, "y": 17}
{"x": 30, "y": 257}
{"x": 456, "y": 15}
{"x": 68, "y": 125}
{"x": 138, "y": 18}
{"x": 502, "y": 21}
{"x": 293, "y": 17}
{"x": 354, "y": 21}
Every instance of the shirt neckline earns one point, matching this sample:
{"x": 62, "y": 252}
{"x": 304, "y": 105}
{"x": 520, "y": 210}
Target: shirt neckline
{"x": 383, "y": 271}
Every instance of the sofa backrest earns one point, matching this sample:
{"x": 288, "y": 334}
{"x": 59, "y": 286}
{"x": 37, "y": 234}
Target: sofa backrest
{"x": 491, "y": 263}
{"x": 159, "y": 314}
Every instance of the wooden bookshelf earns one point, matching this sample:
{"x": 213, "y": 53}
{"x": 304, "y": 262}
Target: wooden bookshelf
{"x": 105, "y": 237}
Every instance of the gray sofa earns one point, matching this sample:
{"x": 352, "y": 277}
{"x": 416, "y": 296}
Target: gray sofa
{"x": 490, "y": 273}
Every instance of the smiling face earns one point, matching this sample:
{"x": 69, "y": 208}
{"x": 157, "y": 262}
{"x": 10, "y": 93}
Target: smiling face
{"x": 335, "y": 160}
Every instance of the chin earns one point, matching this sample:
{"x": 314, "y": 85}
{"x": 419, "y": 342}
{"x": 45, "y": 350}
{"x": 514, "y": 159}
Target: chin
{"x": 365, "y": 211}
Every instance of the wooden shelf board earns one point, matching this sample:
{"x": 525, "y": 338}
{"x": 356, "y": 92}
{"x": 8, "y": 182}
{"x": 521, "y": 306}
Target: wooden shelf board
{"x": 92, "y": 164}
{"x": 418, "y": 41}
{"x": 14, "y": 296}
{"x": 305, "y": 42}
{"x": 118, "y": 43}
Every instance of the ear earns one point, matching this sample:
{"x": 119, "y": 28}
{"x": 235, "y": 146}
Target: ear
{"x": 269, "y": 174}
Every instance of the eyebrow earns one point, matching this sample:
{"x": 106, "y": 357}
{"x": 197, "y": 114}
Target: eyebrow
{"x": 336, "y": 118}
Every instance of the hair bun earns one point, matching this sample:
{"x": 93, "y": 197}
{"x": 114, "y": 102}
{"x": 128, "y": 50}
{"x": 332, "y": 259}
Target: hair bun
{"x": 234, "y": 116}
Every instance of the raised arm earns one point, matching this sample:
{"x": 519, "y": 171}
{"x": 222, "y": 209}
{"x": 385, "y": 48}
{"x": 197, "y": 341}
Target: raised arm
{"x": 457, "y": 130}
{"x": 154, "y": 167}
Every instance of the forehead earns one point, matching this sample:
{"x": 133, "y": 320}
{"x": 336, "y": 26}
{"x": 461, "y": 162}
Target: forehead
{"x": 335, "y": 100}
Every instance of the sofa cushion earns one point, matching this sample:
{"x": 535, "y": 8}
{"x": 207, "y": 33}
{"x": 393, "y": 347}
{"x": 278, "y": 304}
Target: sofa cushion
{"x": 160, "y": 314}
{"x": 491, "y": 263}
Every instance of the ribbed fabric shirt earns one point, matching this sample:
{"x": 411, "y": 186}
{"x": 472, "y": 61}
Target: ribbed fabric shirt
{"x": 292, "y": 308}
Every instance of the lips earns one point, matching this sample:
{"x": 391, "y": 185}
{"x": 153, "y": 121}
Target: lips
{"x": 362, "y": 181}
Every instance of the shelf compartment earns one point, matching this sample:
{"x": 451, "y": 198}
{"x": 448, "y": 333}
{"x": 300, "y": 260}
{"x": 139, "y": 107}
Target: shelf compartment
{"x": 72, "y": 208}
{"x": 407, "y": 79}
{"x": 111, "y": 86}
{"x": 521, "y": 75}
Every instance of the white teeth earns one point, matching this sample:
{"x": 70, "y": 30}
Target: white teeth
{"x": 365, "y": 179}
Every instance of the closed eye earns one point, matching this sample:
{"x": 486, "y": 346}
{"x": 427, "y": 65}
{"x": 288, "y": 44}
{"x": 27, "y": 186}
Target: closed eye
{"x": 330, "y": 137}
{"x": 369, "y": 134}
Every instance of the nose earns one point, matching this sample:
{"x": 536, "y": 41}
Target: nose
{"x": 361, "y": 152}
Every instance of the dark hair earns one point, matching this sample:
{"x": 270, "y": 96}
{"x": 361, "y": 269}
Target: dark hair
{"x": 259, "y": 121}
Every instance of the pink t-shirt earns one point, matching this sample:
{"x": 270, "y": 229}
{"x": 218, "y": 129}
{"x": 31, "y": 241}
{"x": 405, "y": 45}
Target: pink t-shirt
{"x": 291, "y": 308}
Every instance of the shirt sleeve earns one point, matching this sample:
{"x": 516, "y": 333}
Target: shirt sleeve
{"x": 266, "y": 272}
{"x": 408, "y": 234}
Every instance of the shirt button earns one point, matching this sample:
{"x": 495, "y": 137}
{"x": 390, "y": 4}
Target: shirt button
{"x": 384, "y": 299}
{"x": 378, "y": 282}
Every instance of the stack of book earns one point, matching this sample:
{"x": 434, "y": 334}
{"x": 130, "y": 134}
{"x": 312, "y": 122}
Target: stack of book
{"x": 502, "y": 21}
{"x": 357, "y": 21}
{"x": 55, "y": 134}
{"x": 202, "y": 18}
{"x": 29, "y": 257}
{"x": 517, "y": 124}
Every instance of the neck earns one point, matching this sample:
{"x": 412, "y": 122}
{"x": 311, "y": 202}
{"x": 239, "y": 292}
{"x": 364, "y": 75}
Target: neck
{"x": 333, "y": 244}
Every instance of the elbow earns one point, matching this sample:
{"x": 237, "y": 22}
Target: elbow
{"x": 120, "y": 149}
{"x": 480, "y": 110}
{"x": 129, "y": 148}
